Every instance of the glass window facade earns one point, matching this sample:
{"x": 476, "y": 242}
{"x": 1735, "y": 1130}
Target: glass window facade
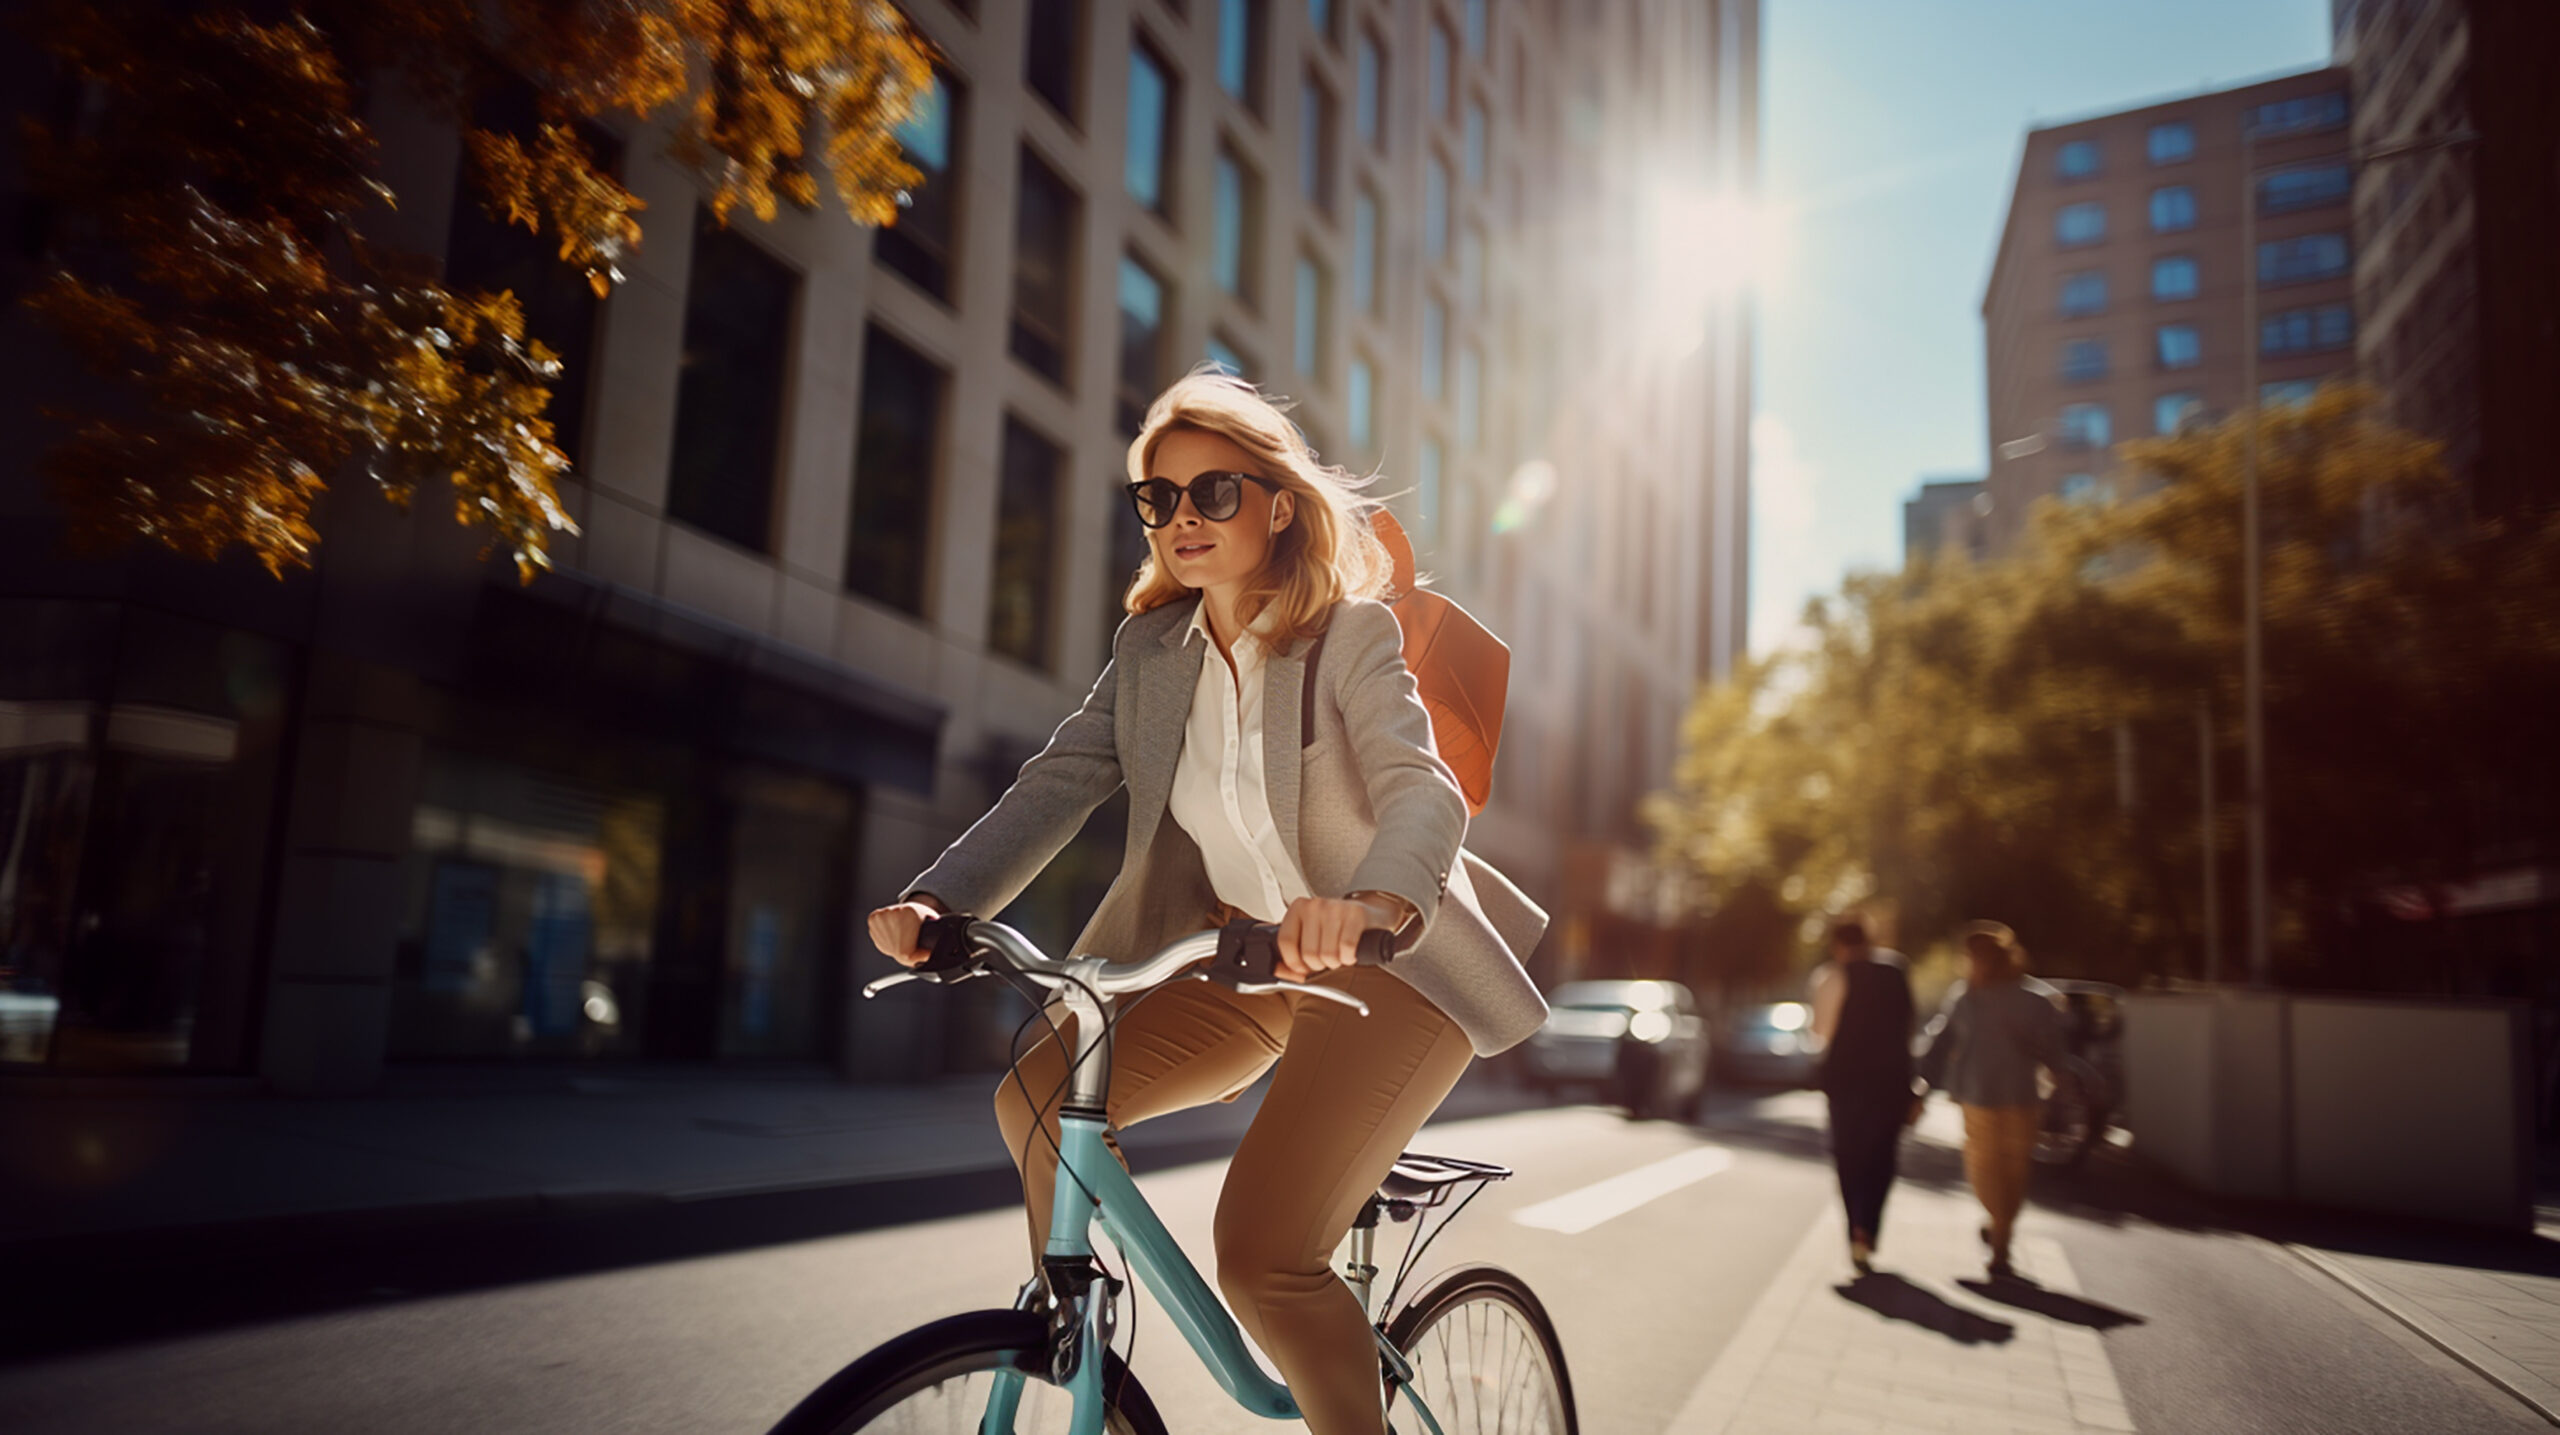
{"x": 1023, "y": 597}
{"x": 2179, "y": 346}
{"x": 2305, "y": 187}
{"x": 2172, "y": 142}
{"x": 2169, "y": 412}
{"x": 1315, "y": 144}
{"x": 2083, "y": 360}
{"x": 1234, "y": 225}
{"x": 1307, "y": 328}
{"x": 2173, "y": 276}
{"x": 2084, "y": 294}
{"x": 1470, "y": 396}
{"x": 1046, "y": 216}
{"x": 2315, "y": 330}
{"x": 1369, "y": 65}
{"x": 2173, "y": 209}
{"x": 922, "y": 246}
{"x": 2326, "y": 110}
{"x": 1475, "y": 143}
{"x": 1141, "y": 369}
{"x": 737, "y": 334}
{"x": 2078, "y": 224}
{"x": 2086, "y": 426}
{"x": 1435, "y": 208}
{"x": 896, "y": 463}
{"x": 1360, "y": 413}
{"x": 1435, "y": 342}
{"x": 1147, "y": 163}
{"x": 2078, "y": 159}
{"x": 1364, "y": 253}
{"x": 1053, "y": 42}
{"x": 1439, "y": 86}
{"x": 2302, "y": 258}
{"x": 1240, "y": 50}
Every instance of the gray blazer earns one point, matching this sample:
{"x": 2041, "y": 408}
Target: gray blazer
{"x": 1366, "y": 805}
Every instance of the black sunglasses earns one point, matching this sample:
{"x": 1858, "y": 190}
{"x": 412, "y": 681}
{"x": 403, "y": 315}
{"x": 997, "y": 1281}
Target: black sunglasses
{"x": 1215, "y": 496}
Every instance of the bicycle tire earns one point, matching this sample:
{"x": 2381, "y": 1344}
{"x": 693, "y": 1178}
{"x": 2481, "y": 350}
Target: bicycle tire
{"x": 955, "y": 1348}
{"x": 1497, "y": 1294}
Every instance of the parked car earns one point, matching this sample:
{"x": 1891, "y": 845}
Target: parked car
{"x": 1768, "y": 1044}
{"x": 2076, "y": 1113}
{"x": 1637, "y": 1044}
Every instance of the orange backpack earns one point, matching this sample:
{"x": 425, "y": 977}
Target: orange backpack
{"x": 1462, "y": 670}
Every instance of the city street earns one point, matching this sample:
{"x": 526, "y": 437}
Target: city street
{"x": 1720, "y": 1303}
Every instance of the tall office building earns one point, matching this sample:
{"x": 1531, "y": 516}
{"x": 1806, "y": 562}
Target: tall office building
{"x": 2454, "y": 212}
{"x": 1947, "y": 516}
{"x": 854, "y": 541}
{"x": 2115, "y": 307}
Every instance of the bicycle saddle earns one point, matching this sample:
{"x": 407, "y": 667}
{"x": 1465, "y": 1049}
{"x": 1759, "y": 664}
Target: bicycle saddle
{"x": 1416, "y": 1175}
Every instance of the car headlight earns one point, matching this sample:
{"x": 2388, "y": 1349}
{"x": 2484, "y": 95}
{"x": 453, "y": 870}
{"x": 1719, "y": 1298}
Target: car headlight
{"x": 1787, "y": 1016}
{"x": 1650, "y": 1026}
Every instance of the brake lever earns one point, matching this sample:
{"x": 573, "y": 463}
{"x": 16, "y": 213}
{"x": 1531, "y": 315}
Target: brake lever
{"x": 1331, "y": 994}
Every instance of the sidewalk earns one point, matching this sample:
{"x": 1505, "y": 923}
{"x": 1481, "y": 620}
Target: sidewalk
{"x": 1922, "y": 1345}
{"x": 2503, "y": 1324}
{"x": 489, "y": 1142}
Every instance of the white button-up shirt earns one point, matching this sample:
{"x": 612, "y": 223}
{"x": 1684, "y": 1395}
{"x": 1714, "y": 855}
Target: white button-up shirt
{"x": 1219, "y": 796}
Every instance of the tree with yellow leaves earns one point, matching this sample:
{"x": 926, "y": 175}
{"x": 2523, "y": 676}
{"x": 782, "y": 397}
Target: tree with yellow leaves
{"x": 215, "y": 267}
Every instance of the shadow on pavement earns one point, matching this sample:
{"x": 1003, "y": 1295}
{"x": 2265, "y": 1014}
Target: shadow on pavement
{"x": 2024, "y": 1294}
{"x": 1893, "y": 1297}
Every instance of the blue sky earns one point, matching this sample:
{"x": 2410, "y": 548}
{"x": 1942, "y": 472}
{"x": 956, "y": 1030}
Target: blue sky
{"x": 1890, "y": 132}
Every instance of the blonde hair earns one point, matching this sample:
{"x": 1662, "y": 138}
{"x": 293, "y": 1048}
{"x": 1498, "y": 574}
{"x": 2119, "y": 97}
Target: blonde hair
{"x": 1326, "y": 554}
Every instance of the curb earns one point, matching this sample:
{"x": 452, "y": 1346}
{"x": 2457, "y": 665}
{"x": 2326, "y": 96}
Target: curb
{"x": 2453, "y": 1343}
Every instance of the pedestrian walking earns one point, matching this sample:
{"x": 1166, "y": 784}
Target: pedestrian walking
{"x": 1985, "y": 1055}
{"x": 1862, "y": 1018}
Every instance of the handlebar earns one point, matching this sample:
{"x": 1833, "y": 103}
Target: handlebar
{"x": 1244, "y": 955}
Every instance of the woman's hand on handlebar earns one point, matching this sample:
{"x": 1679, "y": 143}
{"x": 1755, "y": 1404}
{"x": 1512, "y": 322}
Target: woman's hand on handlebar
{"x": 898, "y": 929}
{"x": 1318, "y": 934}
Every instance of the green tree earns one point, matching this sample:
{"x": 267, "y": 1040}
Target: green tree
{"x": 216, "y": 270}
{"x": 2018, "y": 739}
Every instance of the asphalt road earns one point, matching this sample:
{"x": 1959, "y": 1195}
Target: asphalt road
{"x": 677, "y": 1336}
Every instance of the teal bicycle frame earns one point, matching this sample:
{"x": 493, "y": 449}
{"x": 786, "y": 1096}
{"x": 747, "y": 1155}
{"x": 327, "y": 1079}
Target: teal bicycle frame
{"x": 1093, "y": 1186}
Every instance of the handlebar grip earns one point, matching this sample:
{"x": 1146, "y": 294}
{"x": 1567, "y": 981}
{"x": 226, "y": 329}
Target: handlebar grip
{"x": 1377, "y": 947}
{"x": 947, "y": 937}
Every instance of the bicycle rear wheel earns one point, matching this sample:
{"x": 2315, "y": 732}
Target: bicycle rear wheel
{"x": 938, "y": 1379}
{"x": 1485, "y": 1359}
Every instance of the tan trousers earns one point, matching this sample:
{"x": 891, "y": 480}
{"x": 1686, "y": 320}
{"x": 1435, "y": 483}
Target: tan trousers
{"x": 1999, "y": 1151}
{"x": 1349, "y": 1093}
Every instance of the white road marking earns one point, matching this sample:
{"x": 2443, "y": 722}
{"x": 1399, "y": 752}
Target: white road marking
{"x": 1578, "y": 1211}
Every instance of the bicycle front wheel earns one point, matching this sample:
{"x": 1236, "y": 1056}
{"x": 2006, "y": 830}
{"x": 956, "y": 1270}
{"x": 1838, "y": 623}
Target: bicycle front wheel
{"x": 1485, "y": 1359}
{"x": 940, "y": 1379}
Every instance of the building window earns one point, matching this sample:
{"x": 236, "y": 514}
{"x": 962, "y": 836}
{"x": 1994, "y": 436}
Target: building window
{"x": 1470, "y": 396}
{"x": 1240, "y": 50}
{"x": 1426, "y": 495}
{"x": 2172, "y": 143}
{"x": 1141, "y": 343}
{"x": 1024, "y": 593}
{"x": 2304, "y": 257}
{"x": 2084, "y": 294}
{"x": 490, "y": 256}
{"x": 2078, "y": 224}
{"x": 919, "y": 246}
{"x": 2323, "y": 111}
{"x": 2173, "y": 208}
{"x": 2314, "y": 330}
{"x": 1475, "y": 144}
{"x": 1440, "y": 90}
{"x": 2305, "y": 187}
{"x": 737, "y": 336}
{"x": 1371, "y": 102}
{"x": 2173, "y": 276}
{"x": 1479, "y": 26}
{"x": 1359, "y": 407}
{"x": 2081, "y": 489}
{"x": 894, "y": 468}
{"x": 2288, "y": 393}
{"x": 1315, "y": 144}
{"x": 1055, "y": 35}
{"x": 2086, "y": 426}
{"x": 1320, "y": 15}
{"x": 1471, "y": 278}
{"x": 2179, "y": 346}
{"x": 2077, "y": 160}
{"x": 2083, "y": 360}
{"x": 2170, "y": 412}
{"x": 1435, "y": 208}
{"x": 1046, "y": 213}
{"x": 1236, "y": 225}
{"x": 1364, "y": 252}
{"x": 1309, "y": 328}
{"x": 1435, "y": 343}
{"x": 1149, "y": 160}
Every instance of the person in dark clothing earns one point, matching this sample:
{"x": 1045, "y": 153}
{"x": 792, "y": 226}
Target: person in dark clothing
{"x": 1862, "y": 1018}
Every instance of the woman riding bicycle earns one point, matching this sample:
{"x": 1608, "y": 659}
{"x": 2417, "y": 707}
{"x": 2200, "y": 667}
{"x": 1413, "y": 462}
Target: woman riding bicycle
{"x": 1317, "y": 803}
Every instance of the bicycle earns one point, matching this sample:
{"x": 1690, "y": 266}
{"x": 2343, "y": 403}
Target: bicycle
{"x": 1474, "y": 1354}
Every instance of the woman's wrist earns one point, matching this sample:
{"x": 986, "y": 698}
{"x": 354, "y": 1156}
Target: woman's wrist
{"x": 927, "y": 899}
